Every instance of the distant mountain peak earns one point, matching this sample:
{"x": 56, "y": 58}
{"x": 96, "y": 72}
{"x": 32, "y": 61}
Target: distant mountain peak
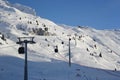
{"x": 25, "y": 9}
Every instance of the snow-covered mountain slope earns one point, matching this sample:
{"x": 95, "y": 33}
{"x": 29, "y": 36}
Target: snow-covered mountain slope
{"x": 94, "y": 53}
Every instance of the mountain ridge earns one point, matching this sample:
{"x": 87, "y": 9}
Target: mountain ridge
{"x": 43, "y": 62}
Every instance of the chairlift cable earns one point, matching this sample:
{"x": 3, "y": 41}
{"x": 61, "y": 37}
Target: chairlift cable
{"x": 8, "y": 46}
{"x": 59, "y": 55}
{"x": 63, "y": 57}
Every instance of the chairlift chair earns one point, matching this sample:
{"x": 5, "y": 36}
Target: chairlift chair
{"x": 56, "y": 50}
{"x": 21, "y": 50}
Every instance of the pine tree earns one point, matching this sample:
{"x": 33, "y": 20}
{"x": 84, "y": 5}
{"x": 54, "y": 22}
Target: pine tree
{"x": 100, "y": 55}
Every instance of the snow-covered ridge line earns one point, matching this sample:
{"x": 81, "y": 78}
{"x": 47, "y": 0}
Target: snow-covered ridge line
{"x": 92, "y": 51}
{"x": 25, "y": 9}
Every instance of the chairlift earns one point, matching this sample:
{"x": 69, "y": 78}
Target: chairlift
{"x": 69, "y": 39}
{"x": 62, "y": 42}
{"x": 56, "y": 50}
{"x": 21, "y": 50}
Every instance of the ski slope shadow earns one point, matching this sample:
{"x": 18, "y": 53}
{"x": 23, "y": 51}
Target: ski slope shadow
{"x": 12, "y": 68}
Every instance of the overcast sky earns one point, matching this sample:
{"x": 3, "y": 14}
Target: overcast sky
{"x": 99, "y": 14}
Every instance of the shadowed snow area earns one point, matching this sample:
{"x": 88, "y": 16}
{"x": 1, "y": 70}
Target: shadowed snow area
{"x": 94, "y": 53}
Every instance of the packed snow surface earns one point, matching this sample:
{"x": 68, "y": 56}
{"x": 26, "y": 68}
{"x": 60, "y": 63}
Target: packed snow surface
{"x": 95, "y": 54}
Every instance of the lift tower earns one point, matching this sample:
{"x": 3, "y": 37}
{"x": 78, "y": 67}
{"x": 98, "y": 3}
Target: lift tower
{"x": 25, "y": 41}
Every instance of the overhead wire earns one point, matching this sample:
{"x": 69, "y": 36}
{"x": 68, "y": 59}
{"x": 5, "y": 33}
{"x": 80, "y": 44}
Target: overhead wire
{"x": 8, "y": 46}
{"x": 63, "y": 57}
